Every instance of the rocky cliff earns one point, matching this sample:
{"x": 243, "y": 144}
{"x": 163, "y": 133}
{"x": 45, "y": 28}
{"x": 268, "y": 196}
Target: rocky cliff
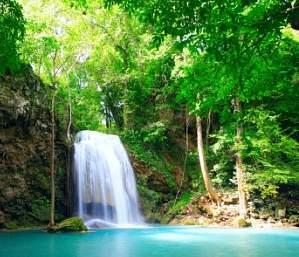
{"x": 25, "y": 137}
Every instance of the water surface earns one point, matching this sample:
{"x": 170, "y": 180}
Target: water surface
{"x": 153, "y": 242}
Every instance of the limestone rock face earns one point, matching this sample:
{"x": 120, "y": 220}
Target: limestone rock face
{"x": 153, "y": 190}
{"x": 25, "y": 147}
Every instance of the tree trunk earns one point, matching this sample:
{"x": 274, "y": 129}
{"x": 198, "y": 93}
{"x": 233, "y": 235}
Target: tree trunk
{"x": 203, "y": 164}
{"x": 69, "y": 150}
{"x": 126, "y": 108}
{"x": 107, "y": 119}
{"x": 239, "y": 166}
{"x": 208, "y": 128}
{"x": 52, "y": 214}
{"x": 123, "y": 50}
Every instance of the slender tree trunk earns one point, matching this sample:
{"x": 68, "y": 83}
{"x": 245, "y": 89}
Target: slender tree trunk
{"x": 203, "y": 164}
{"x": 126, "y": 108}
{"x": 68, "y": 179}
{"x": 240, "y": 166}
{"x": 69, "y": 150}
{"x": 208, "y": 128}
{"x": 123, "y": 50}
{"x": 107, "y": 121}
{"x": 52, "y": 214}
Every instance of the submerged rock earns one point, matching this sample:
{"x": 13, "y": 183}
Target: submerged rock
{"x": 73, "y": 224}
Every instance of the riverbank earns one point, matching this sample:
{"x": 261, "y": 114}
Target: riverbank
{"x": 187, "y": 222}
{"x": 201, "y": 211}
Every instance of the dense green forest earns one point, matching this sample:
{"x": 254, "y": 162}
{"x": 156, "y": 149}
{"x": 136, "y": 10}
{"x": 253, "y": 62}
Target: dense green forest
{"x": 204, "y": 94}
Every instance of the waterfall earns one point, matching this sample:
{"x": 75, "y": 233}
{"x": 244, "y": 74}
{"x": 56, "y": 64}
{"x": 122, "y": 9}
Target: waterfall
{"x": 104, "y": 181}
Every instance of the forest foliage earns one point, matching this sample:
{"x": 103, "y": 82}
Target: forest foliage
{"x": 139, "y": 68}
{"x": 12, "y": 29}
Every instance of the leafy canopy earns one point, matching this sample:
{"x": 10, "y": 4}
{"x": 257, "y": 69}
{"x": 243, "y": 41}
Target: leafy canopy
{"x": 12, "y": 30}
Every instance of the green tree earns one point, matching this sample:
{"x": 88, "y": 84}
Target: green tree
{"x": 53, "y": 60}
{"x": 12, "y": 30}
{"x": 230, "y": 34}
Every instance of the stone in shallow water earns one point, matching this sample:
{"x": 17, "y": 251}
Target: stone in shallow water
{"x": 73, "y": 224}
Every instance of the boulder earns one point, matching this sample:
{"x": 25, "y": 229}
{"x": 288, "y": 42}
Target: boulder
{"x": 241, "y": 222}
{"x": 73, "y": 224}
{"x": 294, "y": 220}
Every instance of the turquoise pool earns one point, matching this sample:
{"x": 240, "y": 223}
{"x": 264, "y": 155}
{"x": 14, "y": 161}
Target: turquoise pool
{"x": 164, "y": 241}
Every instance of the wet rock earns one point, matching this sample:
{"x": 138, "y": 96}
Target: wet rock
{"x": 73, "y": 224}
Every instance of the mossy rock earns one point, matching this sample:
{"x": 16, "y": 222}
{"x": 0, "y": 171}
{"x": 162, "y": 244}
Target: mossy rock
{"x": 11, "y": 225}
{"x": 73, "y": 224}
{"x": 241, "y": 222}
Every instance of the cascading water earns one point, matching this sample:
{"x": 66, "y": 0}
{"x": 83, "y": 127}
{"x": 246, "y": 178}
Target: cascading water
{"x": 105, "y": 187}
